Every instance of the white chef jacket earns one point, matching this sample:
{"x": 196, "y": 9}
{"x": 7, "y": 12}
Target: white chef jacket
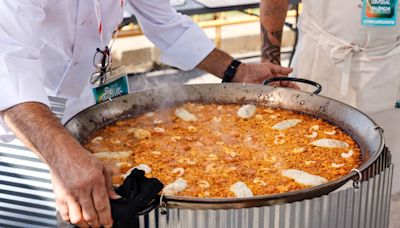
{"x": 47, "y": 46}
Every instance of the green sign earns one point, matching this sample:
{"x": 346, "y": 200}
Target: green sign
{"x": 111, "y": 90}
{"x": 379, "y": 12}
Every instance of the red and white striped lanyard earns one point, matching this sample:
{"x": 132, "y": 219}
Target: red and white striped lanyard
{"x": 100, "y": 24}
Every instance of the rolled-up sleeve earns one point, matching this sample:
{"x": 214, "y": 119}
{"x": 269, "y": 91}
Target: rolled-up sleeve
{"x": 20, "y": 65}
{"x": 182, "y": 42}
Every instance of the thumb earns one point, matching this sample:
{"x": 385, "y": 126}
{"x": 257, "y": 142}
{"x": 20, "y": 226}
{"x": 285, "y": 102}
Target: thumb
{"x": 110, "y": 188}
{"x": 286, "y": 70}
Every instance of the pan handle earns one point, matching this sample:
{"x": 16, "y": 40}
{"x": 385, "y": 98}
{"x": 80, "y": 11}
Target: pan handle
{"x": 149, "y": 207}
{"x": 302, "y": 80}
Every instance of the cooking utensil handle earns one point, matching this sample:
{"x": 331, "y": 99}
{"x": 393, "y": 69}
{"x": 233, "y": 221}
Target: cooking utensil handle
{"x": 302, "y": 80}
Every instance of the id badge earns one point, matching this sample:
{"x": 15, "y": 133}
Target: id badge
{"x": 379, "y": 12}
{"x": 116, "y": 85}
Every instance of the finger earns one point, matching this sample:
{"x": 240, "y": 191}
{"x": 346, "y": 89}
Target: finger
{"x": 274, "y": 84}
{"x": 286, "y": 70}
{"x": 290, "y": 85}
{"x": 108, "y": 174}
{"x": 62, "y": 208}
{"x": 89, "y": 211}
{"x": 280, "y": 70}
{"x": 75, "y": 213}
{"x": 102, "y": 205}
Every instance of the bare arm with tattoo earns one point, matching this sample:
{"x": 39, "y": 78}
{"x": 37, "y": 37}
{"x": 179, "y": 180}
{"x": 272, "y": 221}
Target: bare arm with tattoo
{"x": 272, "y": 19}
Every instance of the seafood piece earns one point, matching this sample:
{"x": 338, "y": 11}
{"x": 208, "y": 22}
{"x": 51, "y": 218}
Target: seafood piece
{"x": 333, "y": 132}
{"x": 348, "y": 154}
{"x": 179, "y": 171}
{"x": 240, "y": 189}
{"x": 310, "y": 162}
{"x": 176, "y": 138}
{"x": 217, "y": 119}
{"x": 302, "y": 177}
{"x": 247, "y": 111}
{"x": 141, "y": 134}
{"x": 185, "y": 115}
{"x": 210, "y": 167}
{"x": 259, "y": 182}
{"x": 158, "y": 122}
{"x": 204, "y": 184}
{"x": 187, "y": 160}
{"x": 330, "y": 143}
{"x": 283, "y": 125}
{"x": 174, "y": 188}
{"x": 155, "y": 152}
{"x": 98, "y": 139}
{"x": 159, "y": 130}
{"x": 123, "y": 164}
{"x": 334, "y": 165}
{"x": 313, "y": 135}
{"x": 143, "y": 167}
{"x": 149, "y": 114}
{"x": 118, "y": 155}
{"x": 298, "y": 150}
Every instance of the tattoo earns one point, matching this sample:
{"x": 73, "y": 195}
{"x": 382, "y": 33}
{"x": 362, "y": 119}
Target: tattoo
{"x": 270, "y": 51}
{"x": 277, "y": 35}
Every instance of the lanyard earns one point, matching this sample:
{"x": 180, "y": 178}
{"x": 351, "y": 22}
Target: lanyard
{"x": 100, "y": 24}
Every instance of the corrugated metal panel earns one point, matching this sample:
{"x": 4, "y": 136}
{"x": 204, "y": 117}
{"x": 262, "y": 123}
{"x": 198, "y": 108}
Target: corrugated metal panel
{"x": 26, "y": 197}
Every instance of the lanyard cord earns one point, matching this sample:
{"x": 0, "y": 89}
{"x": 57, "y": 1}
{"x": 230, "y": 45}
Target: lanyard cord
{"x": 100, "y": 25}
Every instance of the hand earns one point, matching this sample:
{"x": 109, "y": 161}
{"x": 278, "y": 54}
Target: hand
{"x": 257, "y": 73}
{"x": 83, "y": 186}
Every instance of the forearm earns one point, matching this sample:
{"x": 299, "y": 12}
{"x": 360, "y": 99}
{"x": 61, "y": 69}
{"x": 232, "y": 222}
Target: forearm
{"x": 216, "y": 63}
{"x": 272, "y": 19}
{"x": 35, "y": 125}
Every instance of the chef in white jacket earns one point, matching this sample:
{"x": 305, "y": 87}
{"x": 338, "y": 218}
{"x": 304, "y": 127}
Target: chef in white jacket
{"x": 47, "y": 49}
{"x": 351, "y": 52}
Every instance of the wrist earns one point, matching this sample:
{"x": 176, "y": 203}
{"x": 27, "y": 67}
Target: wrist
{"x": 231, "y": 71}
{"x": 241, "y": 73}
{"x": 63, "y": 149}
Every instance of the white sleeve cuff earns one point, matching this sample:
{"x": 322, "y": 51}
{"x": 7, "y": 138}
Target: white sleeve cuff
{"x": 17, "y": 89}
{"x": 189, "y": 49}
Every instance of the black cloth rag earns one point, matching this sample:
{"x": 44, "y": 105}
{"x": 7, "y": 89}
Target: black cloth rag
{"x": 137, "y": 192}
